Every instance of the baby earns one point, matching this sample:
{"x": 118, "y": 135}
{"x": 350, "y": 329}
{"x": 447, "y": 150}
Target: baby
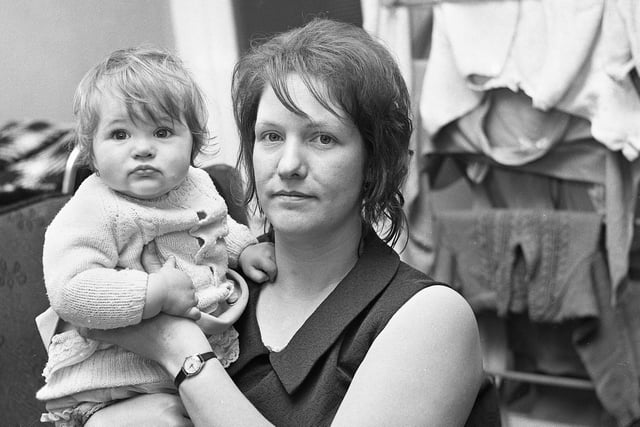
{"x": 141, "y": 121}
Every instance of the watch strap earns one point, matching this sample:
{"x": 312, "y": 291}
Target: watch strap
{"x": 183, "y": 374}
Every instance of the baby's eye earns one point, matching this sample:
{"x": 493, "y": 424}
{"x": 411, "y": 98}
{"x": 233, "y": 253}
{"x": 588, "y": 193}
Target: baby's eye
{"x": 119, "y": 134}
{"x": 163, "y": 133}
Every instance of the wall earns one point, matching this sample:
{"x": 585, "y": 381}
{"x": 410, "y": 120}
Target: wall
{"x": 47, "y": 45}
{"x": 257, "y": 19}
{"x": 205, "y": 37}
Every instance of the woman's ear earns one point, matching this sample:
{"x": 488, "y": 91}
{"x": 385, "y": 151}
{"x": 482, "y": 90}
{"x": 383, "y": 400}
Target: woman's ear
{"x": 368, "y": 180}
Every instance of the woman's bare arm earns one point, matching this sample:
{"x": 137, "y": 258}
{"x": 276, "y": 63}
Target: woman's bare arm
{"x": 425, "y": 367}
{"x": 210, "y": 398}
{"x": 157, "y": 410}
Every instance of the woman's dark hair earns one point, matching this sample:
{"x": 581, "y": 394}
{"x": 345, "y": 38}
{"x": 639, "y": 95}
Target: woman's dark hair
{"x": 341, "y": 65}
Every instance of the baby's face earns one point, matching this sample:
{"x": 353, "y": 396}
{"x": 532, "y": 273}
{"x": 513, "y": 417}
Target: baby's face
{"x": 139, "y": 158}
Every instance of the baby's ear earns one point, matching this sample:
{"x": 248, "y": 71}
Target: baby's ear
{"x": 90, "y": 161}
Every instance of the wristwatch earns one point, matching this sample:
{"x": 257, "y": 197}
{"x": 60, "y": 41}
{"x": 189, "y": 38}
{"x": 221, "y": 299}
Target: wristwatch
{"x": 192, "y": 366}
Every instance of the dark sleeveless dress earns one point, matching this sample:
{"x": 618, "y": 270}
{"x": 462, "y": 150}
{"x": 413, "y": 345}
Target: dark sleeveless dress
{"x": 304, "y": 384}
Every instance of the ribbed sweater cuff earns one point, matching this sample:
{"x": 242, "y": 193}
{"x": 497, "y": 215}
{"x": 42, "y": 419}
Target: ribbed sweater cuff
{"x": 236, "y": 243}
{"x": 116, "y": 299}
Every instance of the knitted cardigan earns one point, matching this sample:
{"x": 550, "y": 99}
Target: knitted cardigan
{"x": 94, "y": 277}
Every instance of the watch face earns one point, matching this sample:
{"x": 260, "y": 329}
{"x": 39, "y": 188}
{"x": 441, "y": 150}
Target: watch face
{"x": 192, "y": 365}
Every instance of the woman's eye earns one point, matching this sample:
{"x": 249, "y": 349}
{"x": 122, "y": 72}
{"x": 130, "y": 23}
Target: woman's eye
{"x": 325, "y": 139}
{"x": 163, "y": 133}
{"x": 272, "y": 136}
{"x": 119, "y": 134}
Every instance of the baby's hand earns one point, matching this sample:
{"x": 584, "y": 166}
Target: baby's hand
{"x": 258, "y": 262}
{"x": 171, "y": 291}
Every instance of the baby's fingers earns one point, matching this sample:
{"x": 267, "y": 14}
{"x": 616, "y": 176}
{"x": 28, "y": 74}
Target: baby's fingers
{"x": 266, "y": 269}
{"x": 233, "y": 297}
{"x": 150, "y": 258}
{"x": 193, "y": 313}
{"x": 170, "y": 262}
{"x": 256, "y": 275}
{"x": 270, "y": 269}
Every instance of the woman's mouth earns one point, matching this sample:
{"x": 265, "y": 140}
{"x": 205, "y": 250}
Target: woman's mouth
{"x": 291, "y": 195}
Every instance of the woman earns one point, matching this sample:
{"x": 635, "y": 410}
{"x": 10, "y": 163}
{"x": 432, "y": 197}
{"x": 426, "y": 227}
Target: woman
{"x": 346, "y": 334}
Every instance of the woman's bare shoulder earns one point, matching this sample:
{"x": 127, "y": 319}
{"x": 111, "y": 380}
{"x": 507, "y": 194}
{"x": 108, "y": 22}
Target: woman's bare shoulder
{"x": 427, "y": 358}
{"x": 437, "y": 314}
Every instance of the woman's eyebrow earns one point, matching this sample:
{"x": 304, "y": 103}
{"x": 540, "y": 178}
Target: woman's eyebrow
{"x": 325, "y": 124}
{"x": 334, "y": 124}
{"x": 317, "y": 124}
{"x": 266, "y": 123}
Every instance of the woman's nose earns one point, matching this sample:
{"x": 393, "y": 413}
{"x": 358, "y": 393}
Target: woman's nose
{"x": 292, "y": 162}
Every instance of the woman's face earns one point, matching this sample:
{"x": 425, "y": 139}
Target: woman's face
{"x": 308, "y": 171}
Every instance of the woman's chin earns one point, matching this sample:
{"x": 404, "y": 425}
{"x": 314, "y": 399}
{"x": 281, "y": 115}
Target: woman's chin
{"x": 292, "y": 228}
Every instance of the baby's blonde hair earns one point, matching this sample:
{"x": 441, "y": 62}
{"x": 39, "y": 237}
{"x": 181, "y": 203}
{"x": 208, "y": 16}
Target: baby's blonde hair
{"x": 152, "y": 83}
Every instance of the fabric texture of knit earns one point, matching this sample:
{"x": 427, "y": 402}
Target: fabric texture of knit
{"x": 94, "y": 277}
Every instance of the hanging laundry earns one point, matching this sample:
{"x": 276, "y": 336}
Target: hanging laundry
{"x": 573, "y": 61}
{"x": 549, "y": 265}
{"x": 574, "y": 55}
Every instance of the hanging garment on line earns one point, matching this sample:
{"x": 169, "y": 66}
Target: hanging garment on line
{"x": 630, "y": 12}
{"x": 506, "y": 128}
{"x": 521, "y": 260}
{"x": 614, "y": 190}
{"x": 573, "y": 55}
{"x": 547, "y": 264}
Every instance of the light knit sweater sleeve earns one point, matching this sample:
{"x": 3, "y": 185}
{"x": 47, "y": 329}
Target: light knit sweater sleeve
{"x": 80, "y": 257}
{"x": 239, "y": 237}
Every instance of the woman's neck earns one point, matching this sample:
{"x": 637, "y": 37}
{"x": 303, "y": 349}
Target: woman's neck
{"x": 310, "y": 264}
{"x": 309, "y": 269}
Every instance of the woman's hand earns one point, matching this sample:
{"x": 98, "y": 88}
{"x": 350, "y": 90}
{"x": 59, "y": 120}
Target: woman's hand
{"x": 157, "y": 409}
{"x": 163, "y": 338}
